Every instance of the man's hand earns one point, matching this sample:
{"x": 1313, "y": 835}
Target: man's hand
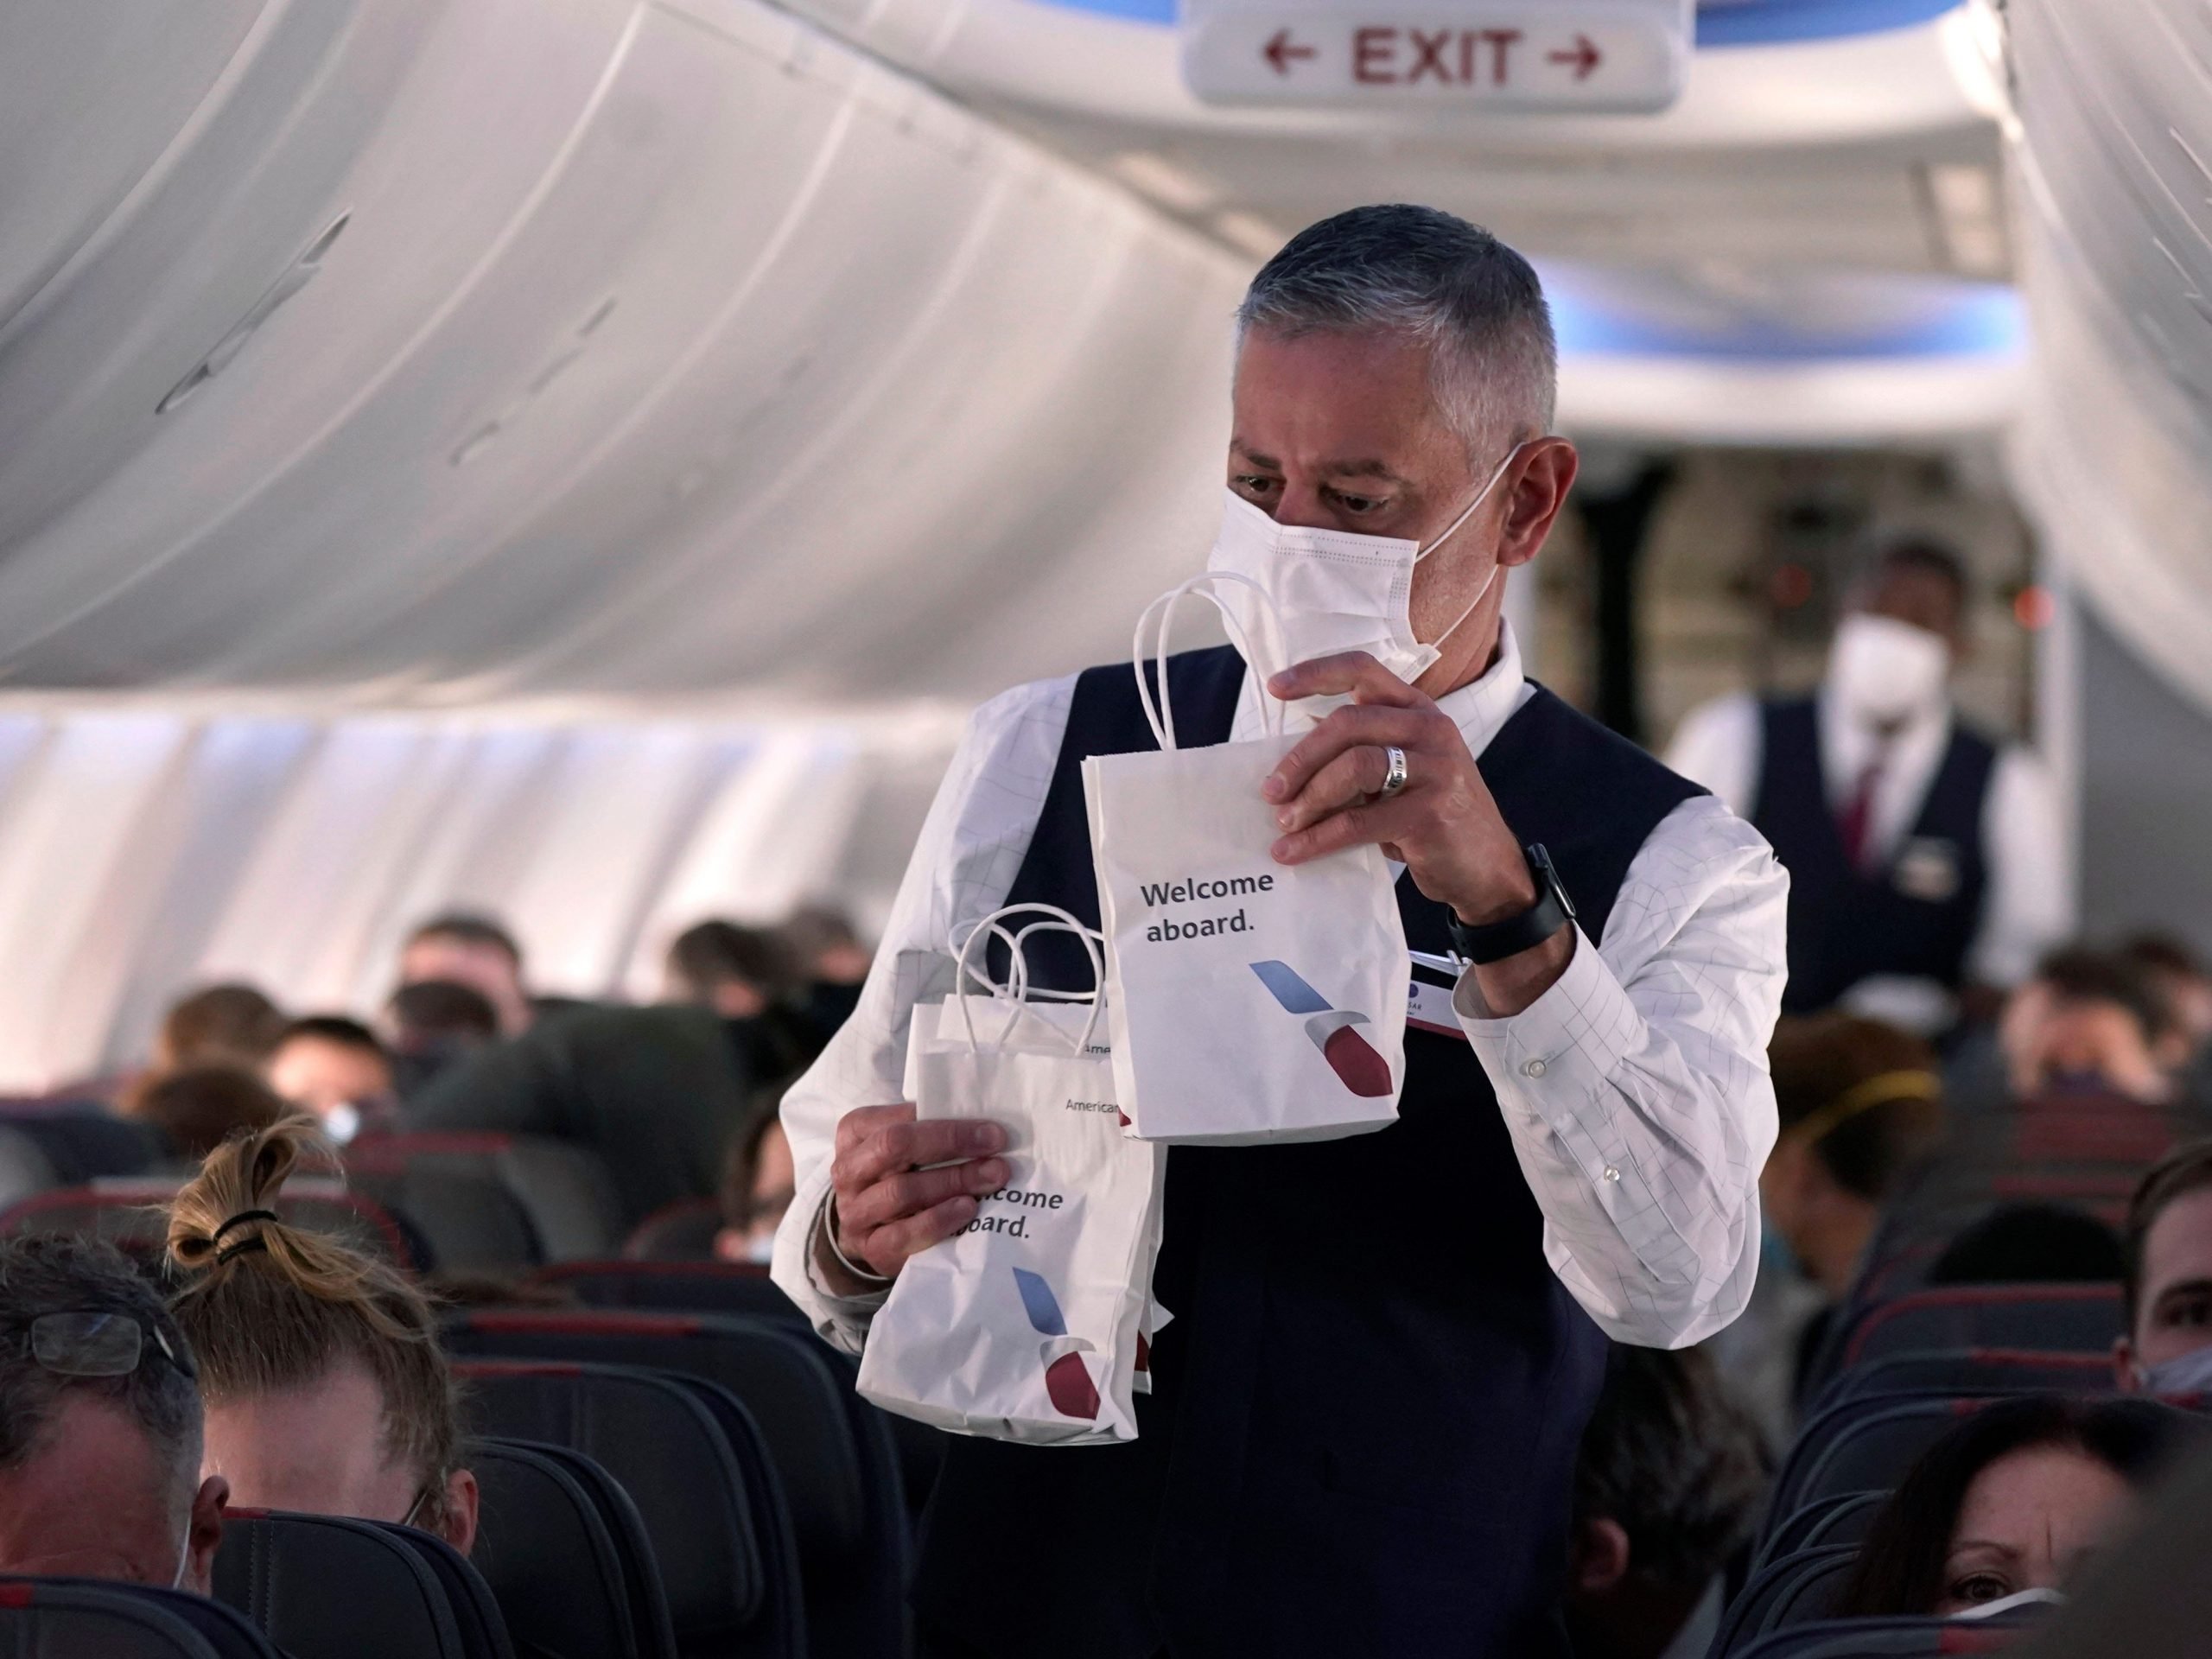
{"x": 1443, "y": 826}
{"x": 892, "y": 1202}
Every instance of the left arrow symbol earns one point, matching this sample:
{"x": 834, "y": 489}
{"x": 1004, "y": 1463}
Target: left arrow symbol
{"x": 1280, "y": 53}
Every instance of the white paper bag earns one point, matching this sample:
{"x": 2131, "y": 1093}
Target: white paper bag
{"x": 1026, "y": 1325}
{"x": 1248, "y": 1000}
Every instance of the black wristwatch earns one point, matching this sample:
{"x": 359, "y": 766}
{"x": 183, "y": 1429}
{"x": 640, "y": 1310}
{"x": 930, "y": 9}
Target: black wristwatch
{"x": 1495, "y": 941}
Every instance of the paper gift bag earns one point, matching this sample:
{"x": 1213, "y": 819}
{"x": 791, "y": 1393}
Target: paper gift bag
{"x": 1248, "y": 1000}
{"x": 1026, "y": 1325}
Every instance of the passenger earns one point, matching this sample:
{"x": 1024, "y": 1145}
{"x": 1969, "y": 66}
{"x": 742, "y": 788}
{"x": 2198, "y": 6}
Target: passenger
{"x": 745, "y": 974}
{"x": 2182, "y": 980}
{"x": 2011, "y": 1500}
{"x": 326, "y": 1390}
{"x": 476, "y": 951}
{"x": 219, "y": 1023}
{"x": 834, "y": 962}
{"x": 1923, "y": 856}
{"x": 201, "y": 1107}
{"x": 1666, "y": 1493}
{"x": 335, "y": 1068}
{"x": 756, "y": 1192}
{"x": 2031, "y": 1243}
{"x": 2091, "y": 1022}
{"x": 432, "y": 1024}
{"x": 2168, "y": 1277}
{"x": 99, "y": 1423}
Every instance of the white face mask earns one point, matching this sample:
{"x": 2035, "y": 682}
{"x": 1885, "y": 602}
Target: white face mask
{"x": 2189, "y": 1373}
{"x": 1335, "y": 591}
{"x": 2038, "y": 1596}
{"x": 183, "y": 1559}
{"x": 1881, "y": 670}
{"x": 759, "y": 1248}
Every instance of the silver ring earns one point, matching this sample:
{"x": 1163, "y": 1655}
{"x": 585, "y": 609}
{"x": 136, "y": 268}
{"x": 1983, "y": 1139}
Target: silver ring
{"x": 1394, "y": 776}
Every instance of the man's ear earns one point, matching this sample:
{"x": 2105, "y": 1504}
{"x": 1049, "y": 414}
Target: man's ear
{"x": 2127, "y": 1377}
{"x": 205, "y": 1535}
{"x": 458, "y": 1527}
{"x": 1537, "y": 487}
{"x": 1600, "y": 1556}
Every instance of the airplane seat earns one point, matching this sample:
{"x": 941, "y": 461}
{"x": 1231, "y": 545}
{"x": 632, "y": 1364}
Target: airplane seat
{"x": 1791, "y": 1590}
{"x": 741, "y": 1287}
{"x": 551, "y": 1560}
{"x": 1864, "y": 1444}
{"x": 682, "y": 1231}
{"x": 835, "y": 1461}
{"x": 96, "y": 1618}
{"x": 476, "y": 1610}
{"x": 1838, "y": 1518}
{"x": 1893, "y": 1639}
{"x": 2078, "y": 1318}
{"x": 554, "y": 1201}
{"x": 324, "y": 1587}
{"x": 720, "y": 1538}
{"x": 1971, "y": 1371}
{"x": 127, "y": 1214}
{"x": 25, "y": 1169}
{"x": 84, "y": 1141}
{"x": 641, "y": 1580}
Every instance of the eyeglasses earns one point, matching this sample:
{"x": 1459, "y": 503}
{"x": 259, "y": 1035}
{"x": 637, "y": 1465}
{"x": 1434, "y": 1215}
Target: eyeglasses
{"x": 87, "y": 1343}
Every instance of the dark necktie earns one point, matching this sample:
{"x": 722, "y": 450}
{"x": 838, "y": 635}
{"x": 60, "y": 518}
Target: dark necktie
{"x": 1854, "y": 823}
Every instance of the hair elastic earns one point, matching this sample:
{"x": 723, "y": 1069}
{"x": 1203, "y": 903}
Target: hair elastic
{"x": 239, "y": 1220}
{"x": 1878, "y": 1091}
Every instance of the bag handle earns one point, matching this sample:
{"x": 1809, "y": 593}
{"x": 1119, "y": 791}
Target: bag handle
{"x": 1160, "y": 716}
{"x": 1018, "y": 975}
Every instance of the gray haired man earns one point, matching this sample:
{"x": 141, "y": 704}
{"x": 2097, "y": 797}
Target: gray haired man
{"x": 99, "y": 1424}
{"x": 1362, "y": 1433}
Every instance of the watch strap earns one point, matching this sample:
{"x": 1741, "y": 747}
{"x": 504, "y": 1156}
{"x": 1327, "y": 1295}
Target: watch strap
{"x": 1495, "y": 941}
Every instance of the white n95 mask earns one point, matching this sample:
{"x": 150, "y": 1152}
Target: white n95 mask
{"x": 1332, "y": 590}
{"x": 2189, "y": 1373}
{"x": 1881, "y": 670}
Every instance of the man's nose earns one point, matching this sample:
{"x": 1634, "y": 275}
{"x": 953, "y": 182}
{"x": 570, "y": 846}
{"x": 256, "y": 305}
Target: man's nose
{"x": 1300, "y": 507}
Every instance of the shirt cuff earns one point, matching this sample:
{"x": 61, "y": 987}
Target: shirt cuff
{"x": 1565, "y": 1044}
{"x": 857, "y": 1309}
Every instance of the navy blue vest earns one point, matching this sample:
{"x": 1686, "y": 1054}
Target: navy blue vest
{"x": 1364, "y": 1435}
{"x": 1917, "y": 916}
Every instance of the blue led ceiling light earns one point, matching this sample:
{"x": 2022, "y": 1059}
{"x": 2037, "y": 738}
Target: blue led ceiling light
{"x": 1720, "y": 23}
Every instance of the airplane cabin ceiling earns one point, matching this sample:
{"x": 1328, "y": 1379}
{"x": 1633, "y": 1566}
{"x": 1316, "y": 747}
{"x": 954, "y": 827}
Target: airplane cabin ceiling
{"x": 456, "y": 350}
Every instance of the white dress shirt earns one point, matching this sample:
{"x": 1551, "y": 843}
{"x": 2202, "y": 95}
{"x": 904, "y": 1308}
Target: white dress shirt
{"x": 1635, "y": 1087}
{"x": 2027, "y": 906}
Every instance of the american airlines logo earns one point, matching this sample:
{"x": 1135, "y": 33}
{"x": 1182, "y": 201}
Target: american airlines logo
{"x": 1333, "y": 1031}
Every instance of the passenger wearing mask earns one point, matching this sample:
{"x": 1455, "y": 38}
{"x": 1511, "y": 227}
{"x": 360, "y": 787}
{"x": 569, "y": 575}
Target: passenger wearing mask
{"x": 1925, "y": 875}
{"x": 326, "y": 1390}
{"x": 1860, "y": 1106}
{"x": 2168, "y": 1278}
{"x": 1361, "y": 1437}
{"x": 99, "y": 1423}
{"x": 833, "y": 960}
{"x": 335, "y": 1068}
{"x": 746, "y": 974}
{"x": 2007, "y": 1506}
{"x": 1667, "y": 1494}
{"x": 756, "y": 1193}
{"x": 2178, "y": 974}
{"x": 432, "y": 1024}
{"x": 2090, "y": 1023}
{"x": 475, "y": 951}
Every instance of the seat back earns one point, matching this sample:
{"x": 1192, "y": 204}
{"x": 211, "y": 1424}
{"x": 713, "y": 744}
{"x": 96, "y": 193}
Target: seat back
{"x": 672, "y": 1287}
{"x": 551, "y": 1560}
{"x": 682, "y": 1231}
{"x": 1838, "y": 1518}
{"x": 85, "y": 1142}
{"x": 836, "y": 1464}
{"x": 283, "y": 1571}
{"x": 675, "y": 1458}
{"x": 1894, "y": 1639}
{"x": 1865, "y": 1445}
{"x": 24, "y": 1169}
{"x": 497, "y": 1201}
{"x": 128, "y": 1213}
{"x": 475, "y": 1608}
{"x": 2043, "y": 1319}
{"x": 89, "y": 1619}
{"x": 1972, "y": 1370}
{"x": 641, "y": 1568}
{"x": 1787, "y": 1591}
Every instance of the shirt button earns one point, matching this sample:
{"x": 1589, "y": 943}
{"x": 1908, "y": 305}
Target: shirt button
{"x": 1612, "y": 1174}
{"x": 1534, "y": 1069}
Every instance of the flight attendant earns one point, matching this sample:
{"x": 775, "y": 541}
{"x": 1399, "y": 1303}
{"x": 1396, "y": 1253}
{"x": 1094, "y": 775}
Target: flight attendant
{"x": 1923, "y": 857}
{"x": 1363, "y": 1431}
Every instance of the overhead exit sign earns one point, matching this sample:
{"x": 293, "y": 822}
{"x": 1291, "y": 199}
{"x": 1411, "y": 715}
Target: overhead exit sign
{"x": 1625, "y": 55}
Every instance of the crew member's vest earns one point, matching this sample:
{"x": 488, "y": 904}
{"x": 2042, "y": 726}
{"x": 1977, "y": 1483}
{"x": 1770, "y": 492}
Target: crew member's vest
{"x": 1917, "y": 915}
{"x": 1364, "y": 1436}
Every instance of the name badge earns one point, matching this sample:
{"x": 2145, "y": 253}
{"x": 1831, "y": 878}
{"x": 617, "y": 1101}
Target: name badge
{"x": 1928, "y": 868}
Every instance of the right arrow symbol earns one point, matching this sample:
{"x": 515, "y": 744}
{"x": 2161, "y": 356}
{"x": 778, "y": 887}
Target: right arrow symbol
{"x": 1280, "y": 51}
{"x": 1585, "y": 57}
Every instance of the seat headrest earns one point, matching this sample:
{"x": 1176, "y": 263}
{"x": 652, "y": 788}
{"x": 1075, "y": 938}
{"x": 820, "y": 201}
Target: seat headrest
{"x": 68, "y": 1617}
{"x": 544, "y": 1548}
{"x": 281, "y": 1571}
